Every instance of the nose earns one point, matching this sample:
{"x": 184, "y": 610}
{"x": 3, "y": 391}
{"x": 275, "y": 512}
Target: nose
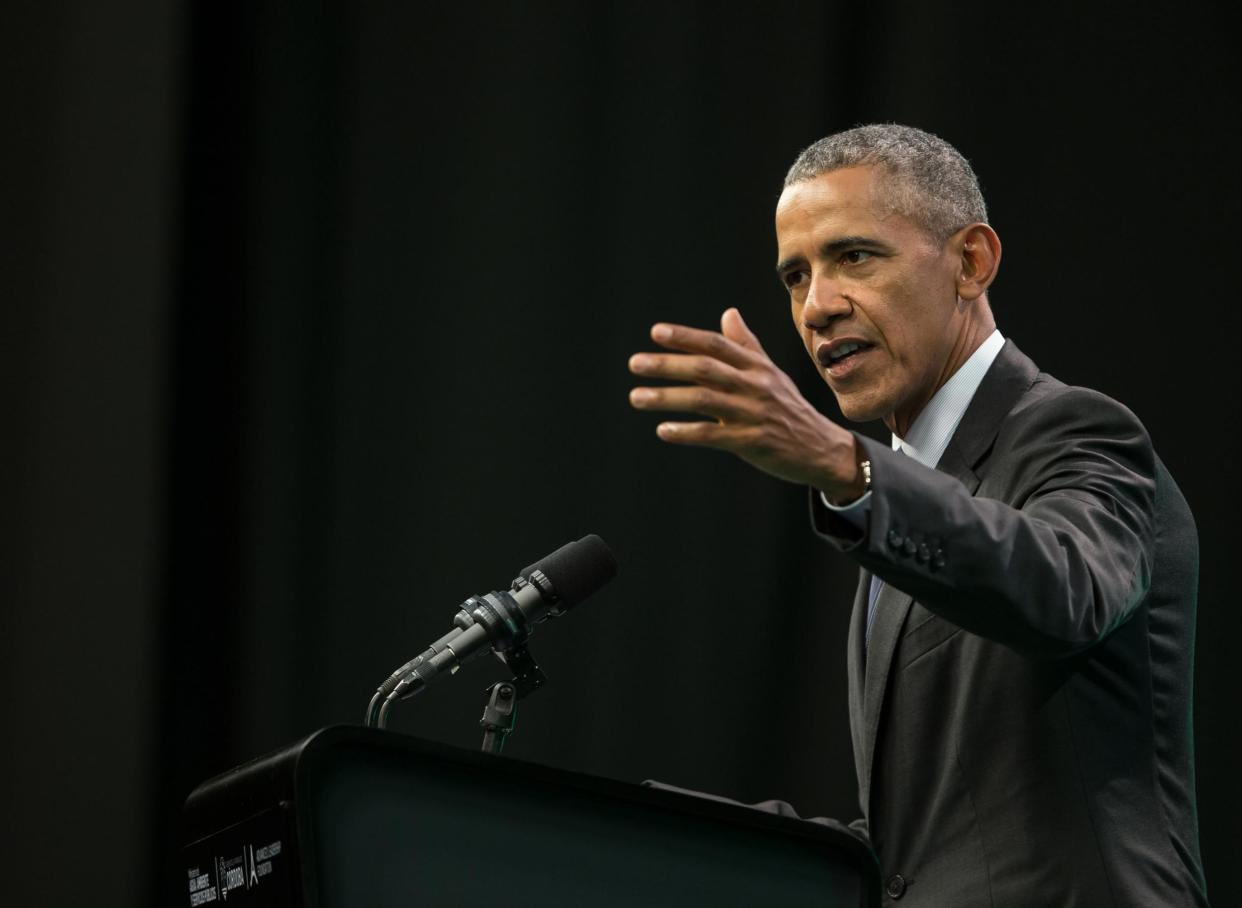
{"x": 824, "y": 303}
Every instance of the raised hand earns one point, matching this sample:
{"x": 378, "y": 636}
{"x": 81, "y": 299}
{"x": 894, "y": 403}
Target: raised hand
{"x": 758, "y": 413}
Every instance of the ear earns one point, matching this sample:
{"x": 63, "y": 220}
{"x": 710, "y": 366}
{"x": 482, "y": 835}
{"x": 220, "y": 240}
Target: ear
{"x": 979, "y": 253}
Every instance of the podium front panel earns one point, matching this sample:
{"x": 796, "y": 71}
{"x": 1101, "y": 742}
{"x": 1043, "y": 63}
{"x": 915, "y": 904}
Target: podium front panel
{"x": 364, "y": 818}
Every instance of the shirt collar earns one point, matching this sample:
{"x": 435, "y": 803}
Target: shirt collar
{"x": 933, "y": 428}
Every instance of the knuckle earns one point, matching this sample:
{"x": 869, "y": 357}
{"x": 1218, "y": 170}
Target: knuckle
{"x": 762, "y": 385}
{"x": 771, "y": 383}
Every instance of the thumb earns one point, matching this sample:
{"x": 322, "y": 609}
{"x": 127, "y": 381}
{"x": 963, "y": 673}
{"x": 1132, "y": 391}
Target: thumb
{"x": 732, "y": 327}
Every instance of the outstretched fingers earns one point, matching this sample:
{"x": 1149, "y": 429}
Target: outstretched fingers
{"x": 705, "y": 434}
{"x": 735, "y": 329}
{"x": 706, "y": 343}
{"x": 727, "y": 376}
{"x": 694, "y": 399}
{"x": 753, "y": 409}
{"x": 701, "y": 370}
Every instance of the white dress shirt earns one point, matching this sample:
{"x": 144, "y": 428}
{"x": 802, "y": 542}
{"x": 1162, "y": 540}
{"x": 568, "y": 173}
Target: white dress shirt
{"x": 932, "y": 428}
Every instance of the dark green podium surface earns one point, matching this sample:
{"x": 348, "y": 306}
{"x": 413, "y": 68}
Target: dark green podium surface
{"x": 362, "y": 817}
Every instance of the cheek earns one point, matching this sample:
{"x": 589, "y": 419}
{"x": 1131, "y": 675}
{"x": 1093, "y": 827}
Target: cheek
{"x": 899, "y": 313}
{"x": 804, "y": 333}
{"x": 907, "y": 353}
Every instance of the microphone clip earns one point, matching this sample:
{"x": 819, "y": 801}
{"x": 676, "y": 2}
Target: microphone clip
{"x": 527, "y": 676}
{"x": 500, "y": 711}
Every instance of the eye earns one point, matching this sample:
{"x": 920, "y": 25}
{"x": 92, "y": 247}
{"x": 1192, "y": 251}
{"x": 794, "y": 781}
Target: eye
{"x": 792, "y": 279}
{"x": 856, "y": 256}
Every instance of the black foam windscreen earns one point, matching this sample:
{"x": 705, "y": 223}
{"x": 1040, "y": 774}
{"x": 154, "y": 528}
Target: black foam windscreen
{"x": 577, "y": 569}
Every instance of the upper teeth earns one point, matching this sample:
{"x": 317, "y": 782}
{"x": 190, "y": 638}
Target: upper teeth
{"x": 844, "y": 350}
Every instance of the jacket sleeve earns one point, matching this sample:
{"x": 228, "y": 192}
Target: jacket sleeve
{"x": 1054, "y": 567}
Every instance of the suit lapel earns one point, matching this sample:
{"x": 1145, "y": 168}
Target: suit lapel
{"x": 1009, "y": 376}
{"x": 891, "y": 608}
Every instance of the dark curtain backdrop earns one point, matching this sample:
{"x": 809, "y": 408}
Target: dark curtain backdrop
{"x": 319, "y": 325}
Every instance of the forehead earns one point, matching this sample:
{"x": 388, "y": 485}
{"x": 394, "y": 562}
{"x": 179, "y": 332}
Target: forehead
{"x": 848, "y": 201}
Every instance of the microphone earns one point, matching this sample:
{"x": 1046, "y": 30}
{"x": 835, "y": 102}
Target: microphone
{"x": 503, "y": 620}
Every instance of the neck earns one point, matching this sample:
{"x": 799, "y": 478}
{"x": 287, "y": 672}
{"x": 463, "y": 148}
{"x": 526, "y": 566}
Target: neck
{"x": 976, "y": 328}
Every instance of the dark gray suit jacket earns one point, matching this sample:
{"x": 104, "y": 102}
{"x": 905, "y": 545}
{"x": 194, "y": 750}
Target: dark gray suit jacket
{"x": 1022, "y": 718}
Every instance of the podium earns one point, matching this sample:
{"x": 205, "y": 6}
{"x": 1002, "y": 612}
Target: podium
{"x": 353, "y": 817}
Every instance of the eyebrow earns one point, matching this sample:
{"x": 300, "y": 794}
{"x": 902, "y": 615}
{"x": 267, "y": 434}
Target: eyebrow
{"x": 834, "y": 248}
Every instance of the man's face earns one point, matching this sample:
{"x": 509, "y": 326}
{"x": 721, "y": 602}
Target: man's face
{"x": 862, "y": 278}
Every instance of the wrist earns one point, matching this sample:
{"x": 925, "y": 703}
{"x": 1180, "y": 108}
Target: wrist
{"x": 851, "y": 475}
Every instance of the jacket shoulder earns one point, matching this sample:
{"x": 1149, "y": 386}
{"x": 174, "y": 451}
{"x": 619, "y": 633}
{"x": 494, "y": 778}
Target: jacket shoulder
{"x": 1051, "y": 406}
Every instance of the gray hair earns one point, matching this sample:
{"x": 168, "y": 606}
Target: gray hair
{"x": 932, "y": 184}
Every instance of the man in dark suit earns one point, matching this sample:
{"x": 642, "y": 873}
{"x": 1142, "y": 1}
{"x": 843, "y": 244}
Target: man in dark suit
{"x": 1020, "y": 651}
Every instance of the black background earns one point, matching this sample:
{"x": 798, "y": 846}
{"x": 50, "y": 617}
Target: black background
{"x": 315, "y": 322}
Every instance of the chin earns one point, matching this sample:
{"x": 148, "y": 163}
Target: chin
{"x": 862, "y": 407}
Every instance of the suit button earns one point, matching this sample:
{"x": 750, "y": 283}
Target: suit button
{"x": 896, "y": 886}
{"x": 895, "y": 539}
{"x": 924, "y": 554}
{"x": 909, "y": 547}
{"x": 938, "y": 559}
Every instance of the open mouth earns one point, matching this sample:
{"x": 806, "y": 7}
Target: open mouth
{"x": 839, "y": 354}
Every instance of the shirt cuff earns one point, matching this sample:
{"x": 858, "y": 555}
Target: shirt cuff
{"x": 863, "y": 502}
{"x": 857, "y": 513}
